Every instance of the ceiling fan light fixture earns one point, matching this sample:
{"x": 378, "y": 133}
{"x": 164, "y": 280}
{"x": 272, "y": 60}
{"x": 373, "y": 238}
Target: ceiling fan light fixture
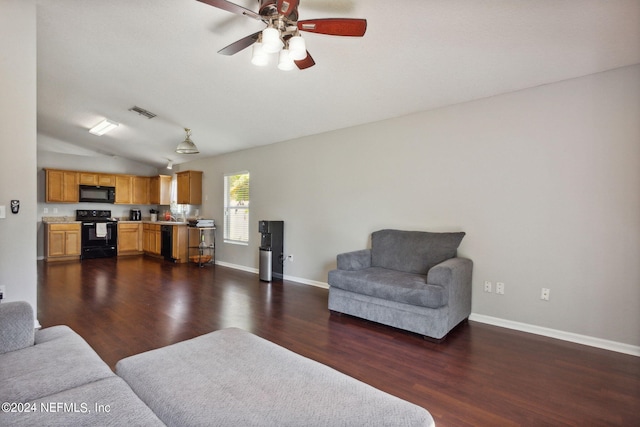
{"x": 103, "y": 127}
{"x": 271, "y": 42}
{"x": 297, "y": 48}
{"x": 259, "y": 57}
{"x": 187, "y": 146}
{"x": 285, "y": 62}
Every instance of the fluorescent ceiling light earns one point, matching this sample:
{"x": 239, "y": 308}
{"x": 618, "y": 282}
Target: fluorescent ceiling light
{"x": 103, "y": 127}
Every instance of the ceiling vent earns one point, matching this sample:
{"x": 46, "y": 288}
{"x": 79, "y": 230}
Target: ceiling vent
{"x": 142, "y": 112}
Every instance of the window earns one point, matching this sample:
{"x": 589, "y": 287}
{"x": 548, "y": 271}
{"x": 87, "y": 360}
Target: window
{"x": 236, "y": 208}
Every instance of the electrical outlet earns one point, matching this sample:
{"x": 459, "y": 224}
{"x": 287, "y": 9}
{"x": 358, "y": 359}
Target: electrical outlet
{"x": 544, "y": 295}
{"x": 45, "y": 210}
{"x": 500, "y": 288}
{"x": 3, "y": 293}
{"x": 290, "y": 258}
{"x": 487, "y": 286}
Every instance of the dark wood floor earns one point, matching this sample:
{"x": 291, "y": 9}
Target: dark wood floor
{"x": 480, "y": 376}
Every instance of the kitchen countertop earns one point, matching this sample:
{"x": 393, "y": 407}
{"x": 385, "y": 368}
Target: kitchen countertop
{"x": 72, "y": 220}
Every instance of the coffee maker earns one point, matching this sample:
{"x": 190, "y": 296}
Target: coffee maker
{"x": 135, "y": 215}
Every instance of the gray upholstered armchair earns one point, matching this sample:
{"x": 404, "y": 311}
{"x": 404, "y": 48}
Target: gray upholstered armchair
{"x": 411, "y": 280}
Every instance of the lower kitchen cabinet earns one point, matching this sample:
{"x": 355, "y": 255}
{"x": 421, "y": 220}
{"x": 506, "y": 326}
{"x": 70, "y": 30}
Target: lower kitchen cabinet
{"x": 62, "y": 241}
{"x": 151, "y": 239}
{"x": 130, "y": 239}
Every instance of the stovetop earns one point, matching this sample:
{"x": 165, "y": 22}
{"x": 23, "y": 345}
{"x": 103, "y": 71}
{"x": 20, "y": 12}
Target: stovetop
{"x": 94, "y": 215}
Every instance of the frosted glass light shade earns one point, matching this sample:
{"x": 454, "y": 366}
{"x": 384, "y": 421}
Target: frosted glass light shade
{"x": 187, "y": 146}
{"x": 297, "y": 48}
{"x": 285, "y": 62}
{"x": 103, "y": 127}
{"x": 271, "y": 42}
{"x": 259, "y": 57}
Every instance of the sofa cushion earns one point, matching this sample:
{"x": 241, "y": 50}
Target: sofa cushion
{"x": 59, "y": 360}
{"x": 233, "y": 378}
{"x": 407, "y": 288}
{"x": 107, "y": 402}
{"x": 412, "y": 251}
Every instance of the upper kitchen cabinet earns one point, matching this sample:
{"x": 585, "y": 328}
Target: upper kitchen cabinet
{"x": 139, "y": 190}
{"x": 160, "y": 190}
{"x": 189, "y": 187}
{"x": 124, "y": 193}
{"x": 61, "y": 186}
{"x": 102, "y": 179}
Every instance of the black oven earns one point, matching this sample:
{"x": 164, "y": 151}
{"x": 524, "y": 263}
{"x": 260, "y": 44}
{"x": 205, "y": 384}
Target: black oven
{"x": 99, "y": 234}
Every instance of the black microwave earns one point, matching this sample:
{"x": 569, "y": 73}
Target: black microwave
{"x": 97, "y": 194}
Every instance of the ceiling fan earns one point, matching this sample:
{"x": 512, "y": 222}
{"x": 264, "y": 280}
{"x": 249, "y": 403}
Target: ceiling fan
{"x": 282, "y": 34}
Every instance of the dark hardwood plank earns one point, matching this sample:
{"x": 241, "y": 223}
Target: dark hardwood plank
{"x": 480, "y": 375}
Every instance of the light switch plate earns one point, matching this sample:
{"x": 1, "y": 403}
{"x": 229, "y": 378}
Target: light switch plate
{"x": 3, "y": 211}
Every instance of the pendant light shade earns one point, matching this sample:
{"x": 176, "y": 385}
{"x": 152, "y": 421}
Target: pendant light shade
{"x": 271, "y": 42}
{"x": 285, "y": 63}
{"x": 187, "y": 146}
{"x": 259, "y": 57}
{"x": 297, "y": 48}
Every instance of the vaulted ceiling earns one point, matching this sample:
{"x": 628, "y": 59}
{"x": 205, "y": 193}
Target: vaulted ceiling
{"x": 98, "y": 59}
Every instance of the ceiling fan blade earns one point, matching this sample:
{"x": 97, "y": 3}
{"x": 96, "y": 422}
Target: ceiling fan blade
{"x": 286, "y": 7}
{"x": 306, "y": 62}
{"x": 239, "y": 45}
{"x": 232, "y": 7}
{"x": 335, "y": 26}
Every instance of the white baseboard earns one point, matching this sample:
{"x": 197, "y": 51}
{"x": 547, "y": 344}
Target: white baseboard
{"x": 495, "y": 321}
{"x": 561, "y": 335}
{"x": 285, "y": 277}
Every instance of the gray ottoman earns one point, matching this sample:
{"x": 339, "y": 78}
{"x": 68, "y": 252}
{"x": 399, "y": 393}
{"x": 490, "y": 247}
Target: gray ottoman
{"x": 233, "y": 378}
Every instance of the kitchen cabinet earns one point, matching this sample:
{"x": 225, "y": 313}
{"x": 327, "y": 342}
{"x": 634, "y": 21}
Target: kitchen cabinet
{"x": 123, "y": 189}
{"x": 140, "y": 190}
{"x": 180, "y": 250}
{"x": 189, "y": 187}
{"x": 151, "y": 239}
{"x": 61, "y": 186}
{"x": 62, "y": 241}
{"x": 160, "y": 190}
{"x": 130, "y": 239}
{"x": 92, "y": 178}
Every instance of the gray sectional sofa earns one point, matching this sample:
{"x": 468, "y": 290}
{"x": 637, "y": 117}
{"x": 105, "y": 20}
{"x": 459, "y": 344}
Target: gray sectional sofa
{"x": 412, "y": 280}
{"x": 52, "y": 377}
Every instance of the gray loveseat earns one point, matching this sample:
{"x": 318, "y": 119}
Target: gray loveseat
{"x": 412, "y": 280}
{"x": 230, "y": 377}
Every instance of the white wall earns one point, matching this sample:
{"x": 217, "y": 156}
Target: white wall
{"x": 93, "y": 163}
{"x": 18, "y": 149}
{"x": 545, "y": 182}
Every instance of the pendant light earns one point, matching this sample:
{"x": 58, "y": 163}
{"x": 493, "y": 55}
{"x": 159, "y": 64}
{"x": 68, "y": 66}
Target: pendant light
{"x": 187, "y": 146}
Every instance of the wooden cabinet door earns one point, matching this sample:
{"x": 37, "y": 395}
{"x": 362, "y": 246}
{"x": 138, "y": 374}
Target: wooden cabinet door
{"x": 61, "y": 186}
{"x": 93, "y": 178}
{"x": 160, "y": 190}
{"x": 88, "y": 178}
{"x": 157, "y": 240}
{"x": 62, "y": 240}
{"x": 56, "y": 243}
{"x": 106, "y": 180}
{"x": 129, "y": 238}
{"x": 140, "y": 190}
{"x": 72, "y": 242}
{"x": 123, "y": 189}
{"x": 189, "y": 187}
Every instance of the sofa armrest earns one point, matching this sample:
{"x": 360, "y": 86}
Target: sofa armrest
{"x": 454, "y": 275}
{"x": 16, "y": 326}
{"x": 356, "y": 260}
